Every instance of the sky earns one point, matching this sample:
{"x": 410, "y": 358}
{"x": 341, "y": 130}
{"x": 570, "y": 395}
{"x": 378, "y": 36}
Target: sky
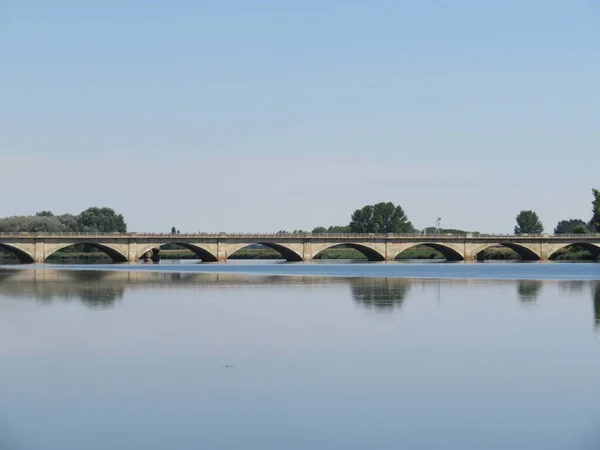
{"x": 267, "y": 115}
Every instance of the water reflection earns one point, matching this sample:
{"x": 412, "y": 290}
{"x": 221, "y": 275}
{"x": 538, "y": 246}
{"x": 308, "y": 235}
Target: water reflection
{"x": 183, "y": 358}
{"x": 596, "y": 301}
{"x": 528, "y": 291}
{"x": 380, "y": 294}
{"x": 572, "y": 287}
{"x": 103, "y": 289}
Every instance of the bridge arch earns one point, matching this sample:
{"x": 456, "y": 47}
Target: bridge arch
{"x": 524, "y": 252}
{"x": 288, "y": 253}
{"x": 112, "y": 252}
{"x": 23, "y": 256}
{"x": 203, "y": 253}
{"x": 594, "y": 249}
{"x": 371, "y": 253}
{"x": 451, "y": 254}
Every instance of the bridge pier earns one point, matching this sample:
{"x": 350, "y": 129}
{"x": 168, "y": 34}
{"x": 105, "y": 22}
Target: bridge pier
{"x": 544, "y": 253}
{"x": 38, "y": 252}
{"x": 468, "y": 255}
{"x": 307, "y": 254}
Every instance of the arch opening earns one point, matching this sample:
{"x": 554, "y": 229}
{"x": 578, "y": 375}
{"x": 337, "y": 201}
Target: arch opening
{"x": 10, "y": 254}
{"x": 349, "y": 251}
{"x": 87, "y": 252}
{"x": 265, "y": 250}
{"x": 498, "y": 252}
{"x": 578, "y": 251}
{"x": 429, "y": 251}
{"x": 178, "y": 250}
{"x": 521, "y": 252}
{"x": 341, "y": 251}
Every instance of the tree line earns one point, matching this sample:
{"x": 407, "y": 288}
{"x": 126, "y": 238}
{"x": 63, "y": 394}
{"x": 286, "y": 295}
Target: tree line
{"x": 528, "y": 221}
{"x": 92, "y": 220}
{"x": 386, "y": 217}
{"x": 383, "y": 217}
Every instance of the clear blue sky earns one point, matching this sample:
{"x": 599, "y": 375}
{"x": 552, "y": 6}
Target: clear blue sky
{"x": 267, "y": 115}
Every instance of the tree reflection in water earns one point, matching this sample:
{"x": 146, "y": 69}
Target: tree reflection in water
{"x": 380, "y": 294}
{"x": 92, "y": 287}
{"x": 571, "y": 287}
{"x": 528, "y": 291}
{"x": 596, "y": 300}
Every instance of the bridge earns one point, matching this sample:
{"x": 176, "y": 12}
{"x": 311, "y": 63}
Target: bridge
{"x": 218, "y": 247}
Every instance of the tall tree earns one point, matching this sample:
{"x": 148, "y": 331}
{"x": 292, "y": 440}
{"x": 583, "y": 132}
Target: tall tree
{"x": 103, "y": 220}
{"x": 382, "y": 217}
{"x": 528, "y": 222}
{"x": 566, "y": 226}
{"x": 595, "y": 222}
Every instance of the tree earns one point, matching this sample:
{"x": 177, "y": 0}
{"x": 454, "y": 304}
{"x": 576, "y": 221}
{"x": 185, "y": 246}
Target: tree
{"x": 69, "y": 221}
{"x": 380, "y": 218}
{"x": 339, "y": 229}
{"x": 173, "y": 230}
{"x": 567, "y": 226}
{"x": 104, "y": 220}
{"x": 595, "y": 222}
{"x": 528, "y": 223}
{"x": 319, "y": 230}
{"x": 579, "y": 229}
{"x": 32, "y": 224}
{"x": 44, "y": 214}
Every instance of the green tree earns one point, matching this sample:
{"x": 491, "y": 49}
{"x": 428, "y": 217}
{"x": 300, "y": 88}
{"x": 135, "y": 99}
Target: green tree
{"x": 528, "y": 223}
{"x": 566, "y": 226}
{"x": 44, "y": 214}
{"x": 173, "y": 230}
{"x": 382, "y": 217}
{"x": 332, "y": 229}
{"x": 579, "y": 229}
{"x": 104, "y": 220}
{"x": 339, "y": 229}
{"x": 69, "y": 221}
{"x": 595, "y": 222}
{"x": 32, "y": 224}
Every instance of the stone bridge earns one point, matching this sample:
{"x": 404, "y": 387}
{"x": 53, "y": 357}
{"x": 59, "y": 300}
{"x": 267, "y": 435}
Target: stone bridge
{"x": 131, "y": 247}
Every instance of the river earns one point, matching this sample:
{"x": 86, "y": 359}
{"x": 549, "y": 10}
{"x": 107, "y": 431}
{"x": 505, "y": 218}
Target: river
{"x": 300, "y": 356}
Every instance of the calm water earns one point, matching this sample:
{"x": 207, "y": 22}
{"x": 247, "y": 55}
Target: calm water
{"x": 204, "y": 359}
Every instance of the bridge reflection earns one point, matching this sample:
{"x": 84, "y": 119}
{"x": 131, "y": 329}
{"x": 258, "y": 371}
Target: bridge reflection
{"x": 105, "y": 289}
{"x": 102, "y": 289}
